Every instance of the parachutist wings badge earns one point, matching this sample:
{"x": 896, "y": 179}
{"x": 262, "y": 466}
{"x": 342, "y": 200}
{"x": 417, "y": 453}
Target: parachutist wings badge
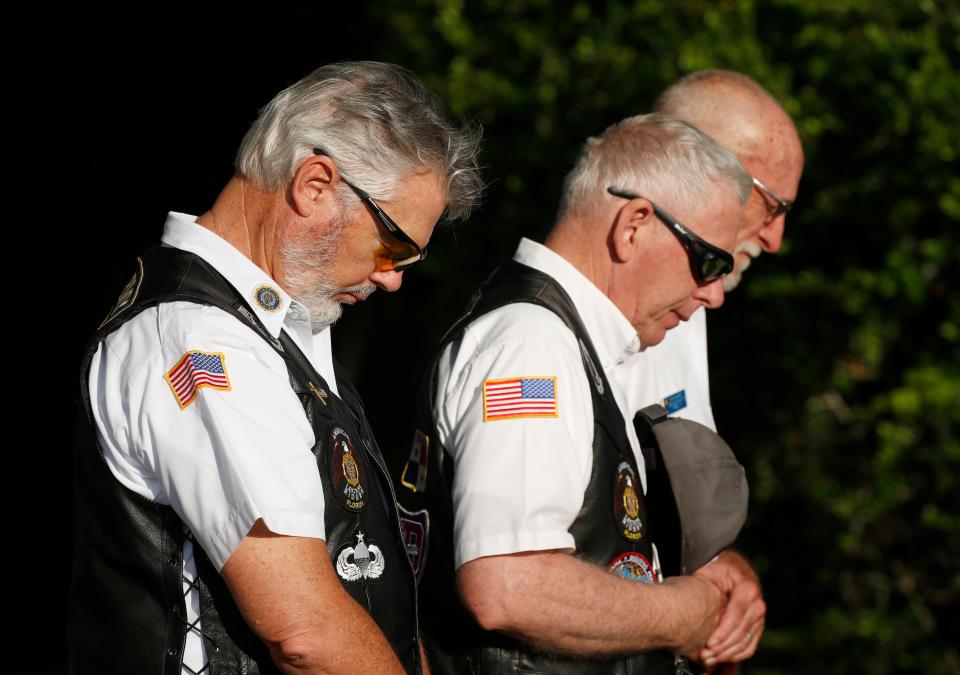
{"x": 367, "y": 563}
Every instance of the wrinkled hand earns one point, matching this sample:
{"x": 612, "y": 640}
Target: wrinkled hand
{"x": 741, "y": 625}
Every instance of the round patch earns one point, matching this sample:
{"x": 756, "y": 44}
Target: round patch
{"x": 627, "y": 507}
{"x": 633, "y": 566}
{"x": 348, "y": 474}
{"x": 268, "y": 298}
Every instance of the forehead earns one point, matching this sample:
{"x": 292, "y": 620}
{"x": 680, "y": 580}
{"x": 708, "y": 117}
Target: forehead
{"x": 779, "y": 165}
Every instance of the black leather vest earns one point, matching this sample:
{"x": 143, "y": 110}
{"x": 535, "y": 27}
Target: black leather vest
{"x": 610, "y": 529}
{"x": 127, "y": 608}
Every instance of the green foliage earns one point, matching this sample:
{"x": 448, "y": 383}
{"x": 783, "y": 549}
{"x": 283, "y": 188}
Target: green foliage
{"x": 836, "y": 368}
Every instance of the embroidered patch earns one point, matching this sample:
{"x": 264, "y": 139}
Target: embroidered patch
{"x": 519, "y": 397}
{"x": 195, "y": 370}
{"x": 360, "y": 562}
{"x": 416, "y": 532}
{"x": 347, "y": 471}
{"x": 675, "y": 402}
{"x": 267, "y": 297}
{"x": 633, "y": 566}
{"x": 414, "y": 474}
{"x": 627, "y": 507}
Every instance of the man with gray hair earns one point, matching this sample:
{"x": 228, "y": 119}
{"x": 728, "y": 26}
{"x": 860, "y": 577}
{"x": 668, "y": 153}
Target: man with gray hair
{"x": 743, "y": 117}
{"x": 234, "y": 513}
{"x": 535, "y": 488}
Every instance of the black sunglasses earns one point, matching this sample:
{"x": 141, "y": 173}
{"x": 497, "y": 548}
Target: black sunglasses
{"x": 779, "y": 206}
{"x": 707, "y": 262}
{"x": 403, "y": 251}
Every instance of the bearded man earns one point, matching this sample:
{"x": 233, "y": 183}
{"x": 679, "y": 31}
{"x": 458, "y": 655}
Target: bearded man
{"x": 234, "y": 513}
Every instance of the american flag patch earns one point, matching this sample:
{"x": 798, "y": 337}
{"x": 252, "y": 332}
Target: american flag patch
{"x": 195, "y": 370}
{"x": 519, "y": 397}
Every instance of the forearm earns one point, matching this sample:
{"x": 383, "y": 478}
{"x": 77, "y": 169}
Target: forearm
{"x": 563, "y": 605}
{"x": 334, "y": 647}
{"x": 290, "y": 596}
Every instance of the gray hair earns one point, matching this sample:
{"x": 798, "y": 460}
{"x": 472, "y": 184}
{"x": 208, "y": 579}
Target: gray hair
{"x": 376, "y": 121}
{"x": 658, "y": 156}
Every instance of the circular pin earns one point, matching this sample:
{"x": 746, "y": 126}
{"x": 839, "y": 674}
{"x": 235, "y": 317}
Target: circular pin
{"x": 268, "y": 298}
{"x": 627, "y": 505}
{"x": 633, "y": 566}
{"x": 346, "y": 470}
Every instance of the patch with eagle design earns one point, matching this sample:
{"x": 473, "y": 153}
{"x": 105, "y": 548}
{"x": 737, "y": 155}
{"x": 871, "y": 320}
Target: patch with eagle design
{"x": 627, "y": 503}
{"x": 347, "y": 471}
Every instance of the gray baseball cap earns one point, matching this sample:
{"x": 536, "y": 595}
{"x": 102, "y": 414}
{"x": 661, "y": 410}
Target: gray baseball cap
{"x": 708, "y": 484}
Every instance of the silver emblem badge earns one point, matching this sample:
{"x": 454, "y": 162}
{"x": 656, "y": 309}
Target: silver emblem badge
{"x": 368, "y": 562}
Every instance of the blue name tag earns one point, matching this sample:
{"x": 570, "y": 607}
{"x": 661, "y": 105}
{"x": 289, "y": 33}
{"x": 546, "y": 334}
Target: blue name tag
{"x": 675, "y": 402}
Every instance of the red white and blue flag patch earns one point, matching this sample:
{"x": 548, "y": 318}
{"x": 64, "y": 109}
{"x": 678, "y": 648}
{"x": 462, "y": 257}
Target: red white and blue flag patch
{"x": 414, "y": 474}
{"x": 195, "y": 370}
{"x": 519, "y": 397}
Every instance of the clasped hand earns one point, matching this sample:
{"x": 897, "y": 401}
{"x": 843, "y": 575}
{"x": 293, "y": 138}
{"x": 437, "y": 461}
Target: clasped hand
{"x": 742, "y": 621}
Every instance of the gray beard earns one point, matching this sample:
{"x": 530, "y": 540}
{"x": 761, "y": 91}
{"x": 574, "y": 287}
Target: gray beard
{"x": 308, "y": 272}
{"x": 733, "y": 279}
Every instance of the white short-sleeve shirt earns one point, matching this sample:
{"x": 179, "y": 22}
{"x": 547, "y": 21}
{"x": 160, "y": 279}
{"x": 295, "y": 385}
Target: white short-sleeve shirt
{"x": 674, "y": 373}
{"x": 519, "y": 483}
{"x": 232, "y": 454}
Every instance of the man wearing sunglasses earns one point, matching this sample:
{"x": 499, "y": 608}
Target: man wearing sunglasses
{"x": 744, "y": 118}
{"x": 539, "y": 493}
{"x": 233, "y": 510}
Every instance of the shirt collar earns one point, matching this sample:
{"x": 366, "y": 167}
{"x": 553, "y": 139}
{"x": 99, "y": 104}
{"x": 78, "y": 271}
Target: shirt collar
{"x": 610, "y": 331}
{"x": 263, "y": 295}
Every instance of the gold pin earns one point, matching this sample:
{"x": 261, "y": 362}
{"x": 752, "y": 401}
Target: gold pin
{"x": 318, "y": 392}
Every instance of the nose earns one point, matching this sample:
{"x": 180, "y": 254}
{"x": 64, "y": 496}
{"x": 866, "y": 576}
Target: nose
{"x": 771, "y": 235}
{"x": 387, "y": 280}
{"x": 710, "y": 295}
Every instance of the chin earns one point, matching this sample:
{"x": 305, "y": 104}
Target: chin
{"x": 324, "y": 311}
{"x": 653, "y": 336}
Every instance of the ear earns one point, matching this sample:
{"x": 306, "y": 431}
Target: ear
{"x": 629, "y": 226}
{"x": 311, "y": 189}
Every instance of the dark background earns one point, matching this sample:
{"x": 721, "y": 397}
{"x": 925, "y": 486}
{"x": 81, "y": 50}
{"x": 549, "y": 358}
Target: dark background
{"x": 835, "y": 366}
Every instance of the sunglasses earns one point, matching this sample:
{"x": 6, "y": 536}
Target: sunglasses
{"x": 779, "y": 206}
{"x": 401, "y": 251}
{"x": 707, "y": 262}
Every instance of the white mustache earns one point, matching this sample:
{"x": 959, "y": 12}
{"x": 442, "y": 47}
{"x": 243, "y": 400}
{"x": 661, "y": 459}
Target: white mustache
{"x": 741, "y": 263}
{"x": 361, "y": 291}
{"x": 751, "y": 248}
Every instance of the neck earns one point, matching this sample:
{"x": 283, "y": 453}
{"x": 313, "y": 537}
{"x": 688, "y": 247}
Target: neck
{"x": 244, "y": 216}
{"x": 580, "y": 243}
{"x": 574, "y": 240}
